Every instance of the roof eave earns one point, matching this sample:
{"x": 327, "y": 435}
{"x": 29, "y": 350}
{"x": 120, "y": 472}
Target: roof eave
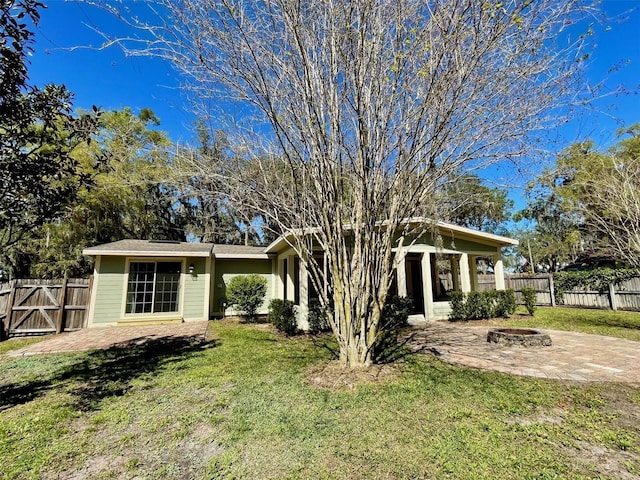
{"x": 137, "y": 253}
{"x": 241, "y": 256}
{"x": 492, "y": 238}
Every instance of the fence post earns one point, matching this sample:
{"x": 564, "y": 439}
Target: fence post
{"x": 87, "y": 303}
{"x": 7, "y": 321}
{"x": 552, "y": 290}
{"x": 612, "y": 297}
{"x": 61, "y": 299}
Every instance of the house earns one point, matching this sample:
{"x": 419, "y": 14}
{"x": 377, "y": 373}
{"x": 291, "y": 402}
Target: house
{"x": 139, "y": 282}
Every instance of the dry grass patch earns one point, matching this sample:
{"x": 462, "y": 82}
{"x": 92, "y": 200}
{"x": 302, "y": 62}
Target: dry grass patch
{"x": 332, "y": 376}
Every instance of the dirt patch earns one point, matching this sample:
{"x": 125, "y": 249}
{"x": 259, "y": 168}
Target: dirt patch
{"x": 197, "y": 449}
{"x": 333, "y": 376}
{"x": 625, "y": 400}
{"x": 619, "y": 464}
{"x": 124, "y": 456}
{"x": 100, "y": 465}
{"x": 554, "y": 416}
{"x": 623, "y": 407}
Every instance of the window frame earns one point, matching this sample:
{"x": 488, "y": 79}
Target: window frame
{"x": 155, "y": 260}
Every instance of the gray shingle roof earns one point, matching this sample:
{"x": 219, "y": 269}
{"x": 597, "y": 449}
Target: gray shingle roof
{"x": 236, "y": 250}
{"x": 151, "y": 248}
{"x": 162, "y": 248}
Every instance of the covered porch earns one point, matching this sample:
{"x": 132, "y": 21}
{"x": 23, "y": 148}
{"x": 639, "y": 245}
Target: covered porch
{"x": 426, "y": 270}
{"x": 425, "y": 274}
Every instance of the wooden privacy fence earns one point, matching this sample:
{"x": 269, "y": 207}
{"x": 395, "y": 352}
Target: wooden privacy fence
{"x": 34, "y": 306}
{"x": 542, "y": 284}
{"x": 486, "y": 282}
{"x": 623, "y": 296}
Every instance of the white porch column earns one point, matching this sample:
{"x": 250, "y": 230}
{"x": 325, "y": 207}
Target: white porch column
{"x": 281, "y": 279}
{"x": 291, "y": 288}
{"x": 401, "y": 274}
{"x": 427, "y": 285}
{"x": 498, "y": 272}
{"x": 465, "y": 278}
{"x": 473, "y": 273}
{"x": 208, "y": 291}
{"x": 302, "y": 310}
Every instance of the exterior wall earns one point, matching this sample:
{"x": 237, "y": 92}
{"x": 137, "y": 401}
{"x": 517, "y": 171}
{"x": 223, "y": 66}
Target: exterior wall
{"x": 194, "y": 294}
{"x": 201, "y": 293}
{"x": 226, "y": 269}
{"x": 108, "y": 291}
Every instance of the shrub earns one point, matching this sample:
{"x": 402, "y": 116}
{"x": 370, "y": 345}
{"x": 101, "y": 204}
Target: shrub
{"x": 482, "y": 305}
{"x": 529, "y": 297}
{"x": 478, "y": 305}
{"x": 247, "y": 293}
{"x": 395, "y": 315}
{"x": 317, "y": 317}
{"x": 505, "y": 303}
{"x": 458, "y": 308}
{"x": 283, "y": 316}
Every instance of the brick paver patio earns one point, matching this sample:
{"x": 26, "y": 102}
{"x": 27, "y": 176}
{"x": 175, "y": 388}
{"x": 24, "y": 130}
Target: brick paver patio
{"x": 106, "y": 337}
{"x": 573, "y": 356}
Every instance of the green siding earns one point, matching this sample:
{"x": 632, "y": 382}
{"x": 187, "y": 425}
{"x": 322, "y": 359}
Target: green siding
{"x": 194, "y": 290}
{"x": 109, "y": 290}
{"x": 111, "y": 284}
{"x": 459, "y": 244}
{"x": 463, "y": 245}
{"x": 225, "y": 270}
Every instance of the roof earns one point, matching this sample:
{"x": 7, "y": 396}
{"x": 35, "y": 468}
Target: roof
{"x": 151, "y": 248}
{"x": 238, "y": 251}
{"x": 477, "y": 234}
{"x": 463, "y": 232}
{"x": 165, "y": 248}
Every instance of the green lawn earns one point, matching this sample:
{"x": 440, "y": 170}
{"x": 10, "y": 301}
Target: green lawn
{"x": 18, "y": 342}
{"x": 242, "y": 407}
{"x": 600, "y": 322}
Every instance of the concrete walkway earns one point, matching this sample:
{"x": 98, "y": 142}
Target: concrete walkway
{"x": 106, "y": 337}
{"x": 573, "y": 356}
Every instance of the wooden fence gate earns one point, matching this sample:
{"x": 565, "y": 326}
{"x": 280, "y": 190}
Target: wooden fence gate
{"x": 29, "y": 307}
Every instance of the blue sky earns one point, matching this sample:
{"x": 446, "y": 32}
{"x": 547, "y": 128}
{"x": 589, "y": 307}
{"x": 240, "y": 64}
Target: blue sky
{"x": 110, "y": 80}
{"x": 105, "y": 78}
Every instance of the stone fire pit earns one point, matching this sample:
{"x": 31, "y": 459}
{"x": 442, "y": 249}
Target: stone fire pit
{"x": 519, "y": 336}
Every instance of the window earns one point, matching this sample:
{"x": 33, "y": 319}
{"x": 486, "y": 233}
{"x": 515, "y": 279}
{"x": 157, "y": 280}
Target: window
{"x": 153, "y": 287}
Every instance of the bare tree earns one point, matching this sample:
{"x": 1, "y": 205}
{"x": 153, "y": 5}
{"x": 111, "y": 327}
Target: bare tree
{"x": 603, "y": 188}
{"x": 370, "y": 106}
{"x": 614, "y": 208}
